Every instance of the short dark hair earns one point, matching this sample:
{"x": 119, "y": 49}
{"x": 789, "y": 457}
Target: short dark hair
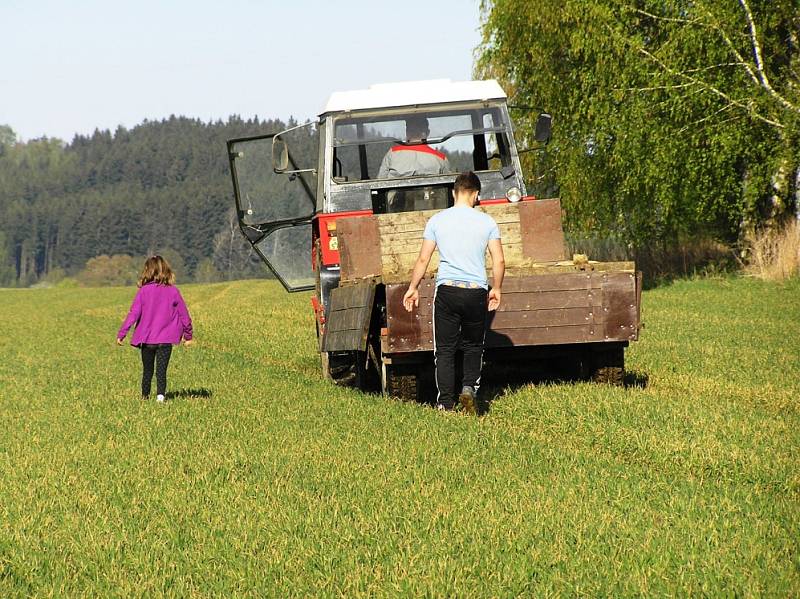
{"x": 416, "y": 124}
{"x": 467, "y": 181}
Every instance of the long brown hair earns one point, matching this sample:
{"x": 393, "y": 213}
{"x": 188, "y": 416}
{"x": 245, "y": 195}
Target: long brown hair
{"x": 156, "y": 269}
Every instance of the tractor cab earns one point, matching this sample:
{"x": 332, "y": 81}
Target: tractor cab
{"x": 390, "y": 148}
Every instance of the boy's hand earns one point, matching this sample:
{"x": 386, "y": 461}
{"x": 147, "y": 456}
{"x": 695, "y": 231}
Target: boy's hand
{"x": 411, "y": 299}
{"x": 189, "y": 342}
{"x": 494, "y": 299}
{"x": 119, "y": 341}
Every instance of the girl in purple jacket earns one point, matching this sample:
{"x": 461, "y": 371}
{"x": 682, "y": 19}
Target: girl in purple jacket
{"x": 161, "y": 319}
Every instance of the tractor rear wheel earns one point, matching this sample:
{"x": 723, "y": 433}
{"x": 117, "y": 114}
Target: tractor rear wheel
{"x": 346, "y": 369}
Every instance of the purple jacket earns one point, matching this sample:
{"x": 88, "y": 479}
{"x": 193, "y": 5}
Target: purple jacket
{"x": 160, "y": 315}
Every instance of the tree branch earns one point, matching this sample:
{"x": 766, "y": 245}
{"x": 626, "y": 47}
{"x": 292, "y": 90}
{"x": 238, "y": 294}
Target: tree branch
{"x": 705, "y": 118}
{"x": 660, "y": 18}
{"x": 762, "y": 73}
{"x": 715, "y": 24}
{"x": 712, "y": 89}
{"x": 653, "y": 88}
{"x": 716, "y": 66}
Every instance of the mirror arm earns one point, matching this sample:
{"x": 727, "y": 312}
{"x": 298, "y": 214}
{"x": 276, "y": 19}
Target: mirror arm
{"x": 313, "y": 171}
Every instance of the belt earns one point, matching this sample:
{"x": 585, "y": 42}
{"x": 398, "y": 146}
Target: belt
{"x": 462, "y": 284}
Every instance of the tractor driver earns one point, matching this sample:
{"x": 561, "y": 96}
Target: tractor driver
{"x": 416, "y": 159}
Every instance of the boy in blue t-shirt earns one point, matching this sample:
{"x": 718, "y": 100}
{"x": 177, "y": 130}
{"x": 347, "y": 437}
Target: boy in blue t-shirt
{"x": 462, "y": 298}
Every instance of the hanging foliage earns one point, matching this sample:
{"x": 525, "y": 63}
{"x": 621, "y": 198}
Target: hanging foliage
{"x": 672, "y": 118}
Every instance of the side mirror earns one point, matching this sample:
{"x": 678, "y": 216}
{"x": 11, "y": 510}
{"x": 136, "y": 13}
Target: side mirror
{"x": 543, "y": 128}
{"x": 280, "y": 155}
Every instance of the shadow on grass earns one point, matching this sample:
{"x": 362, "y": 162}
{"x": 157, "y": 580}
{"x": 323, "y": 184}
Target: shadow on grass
{"x": 635, "y": 379}
{"x": 201, "y": 393}
{"x": 499, "y": 381}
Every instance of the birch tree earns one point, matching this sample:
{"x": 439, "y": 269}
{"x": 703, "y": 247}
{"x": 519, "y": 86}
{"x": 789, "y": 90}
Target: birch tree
{"x": 672, "y": 117}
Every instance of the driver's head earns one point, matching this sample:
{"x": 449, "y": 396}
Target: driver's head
{"x": 417, "y": 128}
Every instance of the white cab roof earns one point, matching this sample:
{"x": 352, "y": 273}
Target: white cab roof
{"x": 409, "y": 93}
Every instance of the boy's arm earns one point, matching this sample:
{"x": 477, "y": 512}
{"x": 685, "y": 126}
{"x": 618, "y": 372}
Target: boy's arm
{"x": 498, "y": 272}
{"x": 133, "y": 315}
{"x": 411, "y": 297}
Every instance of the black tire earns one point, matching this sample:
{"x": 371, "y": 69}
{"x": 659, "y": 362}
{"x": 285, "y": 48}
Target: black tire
{"x": 608, "y": 366}
{"x": 347, "y": 369}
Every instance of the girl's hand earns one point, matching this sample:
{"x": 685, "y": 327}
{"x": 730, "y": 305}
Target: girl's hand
{"x": 189, "y": 342}
{"x": 119, "y": 341}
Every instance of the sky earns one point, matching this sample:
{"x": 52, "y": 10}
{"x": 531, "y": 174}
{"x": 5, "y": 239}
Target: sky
{"x": 72, "y": 67}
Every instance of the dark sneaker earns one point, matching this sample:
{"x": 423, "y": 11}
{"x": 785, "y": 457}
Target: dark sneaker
{"x": 444, "y": 407}
{"x": 468, "y": 400}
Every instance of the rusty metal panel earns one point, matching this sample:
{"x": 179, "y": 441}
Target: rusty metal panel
{"x": 620, "y": 306}
{"x": 543, "y": 336}
{"x": 545, "y": 300}
{"x": 359, "y": 247}
{"x": 555, "y": 317}
{"x": 553, "y": 282}
{"x": 548, "y": 309}
{"x": 409, "y": 331}
{"x": 515, "y": 301}
{"x": 349, "y": 316}
{"x": 540, "y": 228}
{"x": 638, "y": 303}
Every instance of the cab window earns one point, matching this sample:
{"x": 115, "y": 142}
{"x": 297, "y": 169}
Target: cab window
{"x": 453, "y": 141}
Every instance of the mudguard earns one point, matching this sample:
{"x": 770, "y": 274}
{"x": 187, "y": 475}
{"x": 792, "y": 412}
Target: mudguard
{"x": 349, "y": 315}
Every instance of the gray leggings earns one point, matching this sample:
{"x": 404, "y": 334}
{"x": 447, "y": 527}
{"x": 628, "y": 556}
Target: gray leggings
{"x": 155, "y": 354}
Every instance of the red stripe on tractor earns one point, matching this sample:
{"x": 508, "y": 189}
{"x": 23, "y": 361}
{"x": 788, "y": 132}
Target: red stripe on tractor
{"x": 421, "y": 148}
{"x": 490, "y": 201}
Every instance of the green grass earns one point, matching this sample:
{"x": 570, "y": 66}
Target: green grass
{"x": 280, "y": 484}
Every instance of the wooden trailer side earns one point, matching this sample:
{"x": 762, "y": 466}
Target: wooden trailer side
{"x": 546, "y": 300}
{"x": 545, "y": 309}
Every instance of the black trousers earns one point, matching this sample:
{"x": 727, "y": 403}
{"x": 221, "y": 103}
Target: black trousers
{"x": 155, "y": 355}
{"x": 458, "y": 314}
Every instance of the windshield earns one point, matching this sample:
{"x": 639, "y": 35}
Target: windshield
{"x": 419, "y": 143}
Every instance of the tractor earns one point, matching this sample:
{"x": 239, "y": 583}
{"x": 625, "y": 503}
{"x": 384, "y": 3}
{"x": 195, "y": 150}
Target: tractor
{"x": 317, "y": 204}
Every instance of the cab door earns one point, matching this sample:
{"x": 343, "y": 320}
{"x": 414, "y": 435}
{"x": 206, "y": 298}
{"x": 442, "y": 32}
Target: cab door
{"x": 275, "y": 206}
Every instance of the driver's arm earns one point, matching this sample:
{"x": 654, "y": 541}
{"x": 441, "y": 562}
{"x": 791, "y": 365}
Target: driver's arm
{"x": 383, "y": 171}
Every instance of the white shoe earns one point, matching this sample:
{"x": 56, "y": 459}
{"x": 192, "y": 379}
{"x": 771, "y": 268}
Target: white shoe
{"x": 160, "y": 399}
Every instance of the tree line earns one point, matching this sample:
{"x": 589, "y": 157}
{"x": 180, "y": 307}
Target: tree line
{"x": 673, "y": 121}
{"x": 160, "y": 187}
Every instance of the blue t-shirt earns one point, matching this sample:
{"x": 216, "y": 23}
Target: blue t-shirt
{"x": 462, "y": 234}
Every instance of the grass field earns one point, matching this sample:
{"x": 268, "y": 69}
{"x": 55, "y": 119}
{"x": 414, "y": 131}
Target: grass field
{"x": 260, "y": 479}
